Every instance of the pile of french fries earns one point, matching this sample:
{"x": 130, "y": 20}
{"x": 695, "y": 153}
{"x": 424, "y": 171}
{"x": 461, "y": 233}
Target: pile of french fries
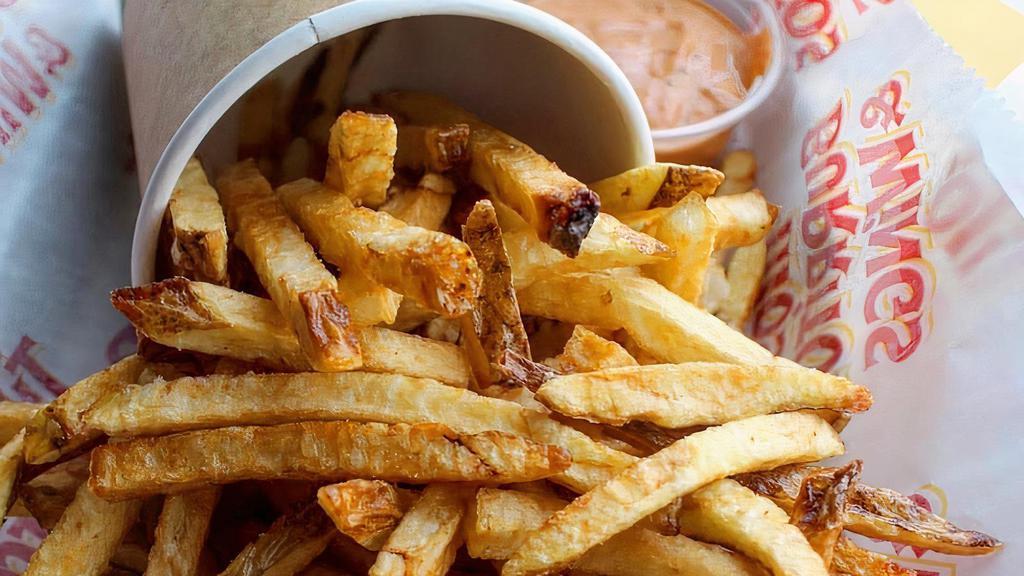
{"x": 338, "y": 379}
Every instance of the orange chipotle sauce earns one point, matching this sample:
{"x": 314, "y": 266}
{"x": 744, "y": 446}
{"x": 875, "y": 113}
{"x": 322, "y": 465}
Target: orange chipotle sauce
{"x": 686, "y": 61}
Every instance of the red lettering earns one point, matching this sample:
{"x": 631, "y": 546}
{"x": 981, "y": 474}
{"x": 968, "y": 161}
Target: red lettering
{"x": 862, "y": 7}
{"x": 887, "y": 176}
{"x": 804, "y": 18}
{"x": 812, "y": 321}
{"x": 773, "y": 311}
{"x": 901, "y": 305}
{"x": 21, "y": 358}
{"x": 821, "y": 261}
{"x": 818, "y": 50}
{"x": 820, "y": 138}
{"x": 892, "y": 221}
{"x": 828, "y": 343}
{"x": 879, "y": 111}
{"x": 20, "y": 80}
{"x": 24, "y": 392}
{"x": 889, "y": 339}
{"x": 48, "y": 50}
{"x": 817, "y": 222}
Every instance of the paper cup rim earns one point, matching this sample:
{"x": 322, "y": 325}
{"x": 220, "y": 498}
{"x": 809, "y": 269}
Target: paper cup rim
{"x": 335, "y": 22}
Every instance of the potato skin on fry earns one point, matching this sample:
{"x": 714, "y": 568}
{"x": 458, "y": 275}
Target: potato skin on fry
{"x": 316, "y": 451}
{"x": 199, "y": 246}
{"x": 852, "y": 560}
{"x": 697, "y": 393}
{"x": 289, "y": 545}
{"x": 820, "y": 508}
{"x": 366, "y": 510}
{"x": 660, "y": 184}
{"x": 432, "y": 148}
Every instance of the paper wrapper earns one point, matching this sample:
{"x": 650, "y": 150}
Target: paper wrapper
{"x": 896, "y": 259}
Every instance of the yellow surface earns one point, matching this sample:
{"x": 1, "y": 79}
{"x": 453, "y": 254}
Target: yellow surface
{"x": 988, "y": 34}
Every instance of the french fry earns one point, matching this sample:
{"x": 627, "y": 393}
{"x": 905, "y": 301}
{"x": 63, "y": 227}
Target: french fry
{"x": 662, "y": 323}
{"x": 432, "y": 148}
{"x": 729, "y": 514}
{"x": 586, "y": 352}
{"x": 181, "y": 532}
{"x": 412, "y": 261}
{"x": 660, "y": 184}
{"x": 265, "y": 399}
{"x": 610, "y": 244}
{"x": 652, "y": 483}
{"x": 366, "y": 510}
{"x": 560, "y": 208}
{"x": 215, "y": 320}
{"x": 199, "y": 245}
{"x": 499, "y": 521}
{"x": 368, "y": 302}
{"x": 47, "y": 496}
{"x": 877, "y": 513}
{"x": 58, "y": 430}
{"x": 301, "y": 288}
{"x": 11, "y": 461}
{"x": 740, "y": 169}
{"x": 690, "y": 228}
{"x": 321, "y": 451}
{"x": 716, "y": 287}
{"x": 697, "y": 393}
{"x": 85, "y": 538}
{"x": 820, "y": 508}
{"x": 14, "y": 416}
{"x": 291, "y": 544}
{"x": 425, "y": 541}
{"x": 361, "y": 154}
{"x": 744, "y": 277}
{"x": 852, "y": 560}
{"x": 743, "y": 219}
{"x": 494, "y": 325}
{"x": 425, "y": 205}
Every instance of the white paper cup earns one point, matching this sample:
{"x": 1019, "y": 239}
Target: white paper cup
{"x": 519, "y": 68}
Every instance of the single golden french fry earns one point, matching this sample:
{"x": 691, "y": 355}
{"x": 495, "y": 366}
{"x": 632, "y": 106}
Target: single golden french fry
{"x": 435, "y": 269}
{"x": 726, "y": 513}
{"x": 652, "y": 483}
{"x": 179, "y": 405}
{"x": 366, "y": 510}
{"x": 11, "y": 461}
{"x": 586, "y": 352}
{"x": 215, "y": 320}
{"x": 14, "y": 416}
{"x": 746, "y": 268}
{"x": 499, "y": 521}
{"x": 743, "y": 219}
{"x": 361, "y": 155}
{"x": 689, "y": 228}
{"x": 291, "y": 543}
{"x": 660, "y": 184}
{"x": 432, "y": 148}
{"x": 740, "y": 169}
{"x": 560, "y": 208}
{"x": 199, "y": 237}
{"x": 58, "y": 430}
{"x": 86, "y": 537}
{"x": 697, "y": 393}
{"x": 321, "y": 451}
{"x": 181, "y": 532}
{"x": 426, "y": 539}
{"x": 820, "y": 508}
{"x": 301, "y": 288}
{"x": 425, "y": 205}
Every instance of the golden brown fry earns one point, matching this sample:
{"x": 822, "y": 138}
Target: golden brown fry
{"x": 14, "y": 416}
{"x": 744, "y": 277}
{"x": 425, "y": 205}
{"x": 301, "y": 288}
{"x": 85, "y": 538}
{"x": 697, "y": 393}
{"x": 366, "y": 510}
{"x": 740, "y": 169}
{"x": 495, "y": 320}
{"x": 610, "y": 244}
{"x": 743, "y": 219}
{"x": 181, "y": 532}
{"x": 11, "y": 461}
{"x": 199, "y": 245}
{"x": 216, "y": 320}
{"x": 264, "y": 399}
{"x": 291, "y": 544}
{"x": 652, "y": 483}
{"x": 368, "y": 302}
{"x": 58, "y": 430}
{"x": 432, "y": 268}
{"x": 560, "y": 208}
{"x": 586, "y": 352}
{"x": 820, "y": 508}
{"x": 689, "y": 227}
{"x": 47, "y": 496}
{"x": 361, "y": 154}
{"x": 726, "y": 513}
{"x": 425, "y": 541}
{"x": 661, "y": 322}
{"x": 432, "y": 148}
{"x": 716, "y": 287}
{"x": 660, "y": 184}
{"x": 322, "y": 451}
{"x": 878, "y": 513}
{"x": 852, "y": 560}
{"x": 500, "y": 520}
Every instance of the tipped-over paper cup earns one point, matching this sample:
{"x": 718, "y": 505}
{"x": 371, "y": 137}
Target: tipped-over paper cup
{"x": 190, "y": 63}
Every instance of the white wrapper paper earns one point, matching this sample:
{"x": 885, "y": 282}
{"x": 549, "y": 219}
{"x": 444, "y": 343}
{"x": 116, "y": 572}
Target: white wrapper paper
{"x": 896, "y": 260}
